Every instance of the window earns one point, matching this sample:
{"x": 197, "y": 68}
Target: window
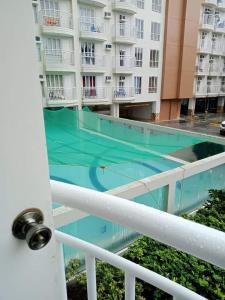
{"x": 152, "y": 86}
{"x": 137, "y": 84}
{"x": 139, "y": 25}
{"x": 89, "y": 86}
{"x": 139, "y": 57}
{"x": 141, "y": 4}
{"x": 157, "y": 5}
{"x": 55, "y": 87}
{"x": 154, "y": 58}
{"x": 53, "y": 50}
{"x": 155, "y": 31}
{"x": 88, "y": 53}
{"x": 198, "y": 84}
{"x": 87, "y": 19}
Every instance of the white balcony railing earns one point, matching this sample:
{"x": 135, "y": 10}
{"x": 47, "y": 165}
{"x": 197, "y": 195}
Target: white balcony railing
{"x": 123, "y": 92}
{"x": 205, "y": 243}
{"x": 92, "y": 60}
{"x": 56, "y": 18}
{"x": 59, "y": 57}
{"x": 94, "y": 93}
{"x": 124, "y": 62}
{"x": 201, "y": 89}
{"x": 221, "y": 4}
{"x": 216, "y": 47}
{"x": 205, "y": 45}
{"x": 213, "y": 89}
{"x": 92, "y": 25}
{"x": 208, "y": 20}
{"x": 124, "y": 30}
{"x": 214, "y": 68}
{"x": 60, "y": 94}
{"x": 202, "y": 67}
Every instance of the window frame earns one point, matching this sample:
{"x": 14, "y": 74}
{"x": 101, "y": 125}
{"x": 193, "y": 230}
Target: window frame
{"x": 153, "y": 85}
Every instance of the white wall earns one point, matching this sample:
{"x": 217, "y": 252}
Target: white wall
{"x": 24, "y": 179}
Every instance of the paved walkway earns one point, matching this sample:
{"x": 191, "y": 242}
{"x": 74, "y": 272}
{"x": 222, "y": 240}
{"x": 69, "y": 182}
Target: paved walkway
{"x": 208, "y": 124}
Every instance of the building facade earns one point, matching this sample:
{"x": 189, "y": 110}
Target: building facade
{"x": 209, "y": 87}
{"x": 194, "y": 58}
{"x": 105, "y": 54}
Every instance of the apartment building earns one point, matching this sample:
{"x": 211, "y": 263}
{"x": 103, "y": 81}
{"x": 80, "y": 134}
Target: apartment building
{"x": 209, "y": 83}
{"x": 105, "y": 54}
{"x": 194, "y": 58}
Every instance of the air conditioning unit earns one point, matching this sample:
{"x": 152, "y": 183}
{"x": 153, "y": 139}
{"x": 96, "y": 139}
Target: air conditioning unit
{"x": 108, "y": 78}
{"x": 34, "y": 2}
{"x": 122, "y": 78}
{"x": 122, "y": 19}
{"x": 108, "y": 47}
{"x": 37, "y": 39}
{"x": 108, "y": 15}
{"x": 41, "y": 77}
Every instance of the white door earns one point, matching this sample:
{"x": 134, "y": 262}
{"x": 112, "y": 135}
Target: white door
{"x": 24, "y": 180}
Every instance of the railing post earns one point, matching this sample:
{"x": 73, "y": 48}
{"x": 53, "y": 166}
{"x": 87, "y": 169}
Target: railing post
{"x": 62, "y": 270}
{"x": 171, "y": 197}
{"x": 129, "y": 286}
{"x": 91, "y": 277}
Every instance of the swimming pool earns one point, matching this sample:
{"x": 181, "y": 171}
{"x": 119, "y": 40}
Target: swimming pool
{"x": 91, "y": 152}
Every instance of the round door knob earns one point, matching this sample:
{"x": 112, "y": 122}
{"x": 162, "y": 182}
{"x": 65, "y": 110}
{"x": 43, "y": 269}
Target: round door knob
{"x": 29, "y": 226}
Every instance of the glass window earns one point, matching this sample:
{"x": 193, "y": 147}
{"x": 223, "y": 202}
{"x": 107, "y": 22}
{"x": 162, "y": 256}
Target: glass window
{"x": 157, "y": 5}
{"x": 141, "y": 4}
{"x": 155, "y": 31}
{"x": 138, "y": 57}
{"x": 139, "y": 25}
{"x": 154, "y": 58}
{"x": 137, "y": 84}
{"x": 153, "y": 83}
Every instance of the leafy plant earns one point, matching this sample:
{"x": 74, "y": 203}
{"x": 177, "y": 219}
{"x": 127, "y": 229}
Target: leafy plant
{"x": 195, "y": 274}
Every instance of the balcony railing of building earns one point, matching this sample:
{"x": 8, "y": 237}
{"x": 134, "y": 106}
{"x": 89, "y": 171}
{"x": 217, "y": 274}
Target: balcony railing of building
{"x": 220, "y": 25}
{"x": 217, "y": 47}
{"x": 221, "y": 4}
{"x": 208, "y": 20}
{"x": 213, "y": 89}
{"x": 92, "y": 60}
{"x": 222, "y": 88}
{"x": 123, "y": 92}
{"x": 214, "y": 68}
{"x": 205, "y": 45}
{"x": 59, "y": 57}
{"x": 93, "y": 93}
{"x": 124, "y": 62}
{"x": 56, "y": 18}
{"x": 163, "y": 227}
{"x": 60, "y": 94}
{"x": 124, "y": 32}
{"x": 92, "y": 25}
{"x": 200, "y": 89}
{"x": 202, "y": 67}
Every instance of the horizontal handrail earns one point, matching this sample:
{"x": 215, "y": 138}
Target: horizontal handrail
{"x": 195, "y": 239}
{"x": 163, "y": 283}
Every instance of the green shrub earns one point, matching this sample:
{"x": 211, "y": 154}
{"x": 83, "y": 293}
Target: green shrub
{"x": 195, "y": 274}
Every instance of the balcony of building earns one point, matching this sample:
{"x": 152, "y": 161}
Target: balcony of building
{"x": 92, "y": 29}
{"x": 205, "y": 46}
{"x": 202, "y": 68}
{"x": 56, "y": 22}
{"x": 125, "y": 6}
{"x": 213, "y": 89}
{"x": 220, "y": 26}
{"x": 59, "y": 60}
{"x": 60, "y": 96}
{"x": 124, "y": 33}
{"x": 94, "y": 95}
{"x": 217, "y": 47}
{"x": 200, "y": 90}
{"x": 123, "y": 64}
{"x": 222, "y": 90}
{"x": 210, "y": 2}
{"x": 214, "y": 69}
{"x": 123, "y": 94}
{"x": 92, "y": 63}
{"x": 207, "y": 22}
{"x": 221, "y": 4}
{"x": 97, "y": 3}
